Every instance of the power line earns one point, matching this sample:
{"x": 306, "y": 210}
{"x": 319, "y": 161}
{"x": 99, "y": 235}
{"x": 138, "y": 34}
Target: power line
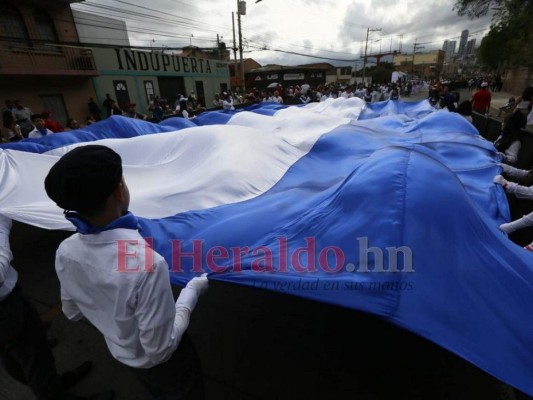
{"x": 188, "y": 23}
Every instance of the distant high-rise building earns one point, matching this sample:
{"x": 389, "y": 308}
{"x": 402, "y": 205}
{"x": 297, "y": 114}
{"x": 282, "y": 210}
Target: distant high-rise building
{"x": 470, "y": 47}
{"x": 462, "y": 43}
{"x": 449, "y": 49}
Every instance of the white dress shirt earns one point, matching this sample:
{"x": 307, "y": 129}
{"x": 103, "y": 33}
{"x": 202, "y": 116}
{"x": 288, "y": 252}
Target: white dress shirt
{"x": 511, "y": 153}
{"x": 36, "y": 133}
{"x": 8, "y": 276}
{"x": 524, "y": 192}
{"x": 132, "y": 307}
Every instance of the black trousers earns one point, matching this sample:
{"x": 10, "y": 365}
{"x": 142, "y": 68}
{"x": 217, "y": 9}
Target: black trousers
{"x": 24, "y": 349}
{"x": 178, "y": 378}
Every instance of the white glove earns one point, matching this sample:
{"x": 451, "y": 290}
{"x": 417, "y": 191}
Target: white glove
{"x": 198, "y": 284}
{"x": 500, "y": 180}
{"x": 506, "y": 168}
{"x": 502, "y": 155}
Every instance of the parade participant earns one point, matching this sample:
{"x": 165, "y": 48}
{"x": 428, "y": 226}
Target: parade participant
{"x": 135, "y": 311}
{"x": 24, "y": 349}
{"x": 509, "y": 142}
{"x": 523, "y": 189}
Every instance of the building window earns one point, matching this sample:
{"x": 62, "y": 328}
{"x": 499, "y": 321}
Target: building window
{"x": 46, "y": 30}
{"x": 149, "y": 90}
{"x": 14, "y": 29}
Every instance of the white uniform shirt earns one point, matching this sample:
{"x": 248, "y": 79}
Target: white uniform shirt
{"x": 511, "y": 153}
{"x": 524, "y": 192}
{"x": 8, "y": 276}
{"x": 135, "y": 311}
{"x": 36, "y": 133}
{"x": 227, "y": 104}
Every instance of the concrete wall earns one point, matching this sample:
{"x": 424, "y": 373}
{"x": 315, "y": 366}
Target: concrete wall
{"x": 74, "y": 90}
{"x": 136, "y": 66}
{"x": 516, "y": 79}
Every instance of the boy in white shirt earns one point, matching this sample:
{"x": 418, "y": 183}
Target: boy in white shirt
{"x": 135, "y": 311}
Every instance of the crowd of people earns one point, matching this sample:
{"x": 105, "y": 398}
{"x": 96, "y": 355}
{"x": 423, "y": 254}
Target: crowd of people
{"x": 20, "y": 122}
{"x": 516, "y": 182}
{"x": 303, "y": 94}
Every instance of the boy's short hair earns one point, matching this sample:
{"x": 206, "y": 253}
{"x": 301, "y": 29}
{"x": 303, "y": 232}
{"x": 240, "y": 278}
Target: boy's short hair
{"x": 84, "y": 178}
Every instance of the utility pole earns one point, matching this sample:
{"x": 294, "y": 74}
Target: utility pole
{"x": 416, "y": 46}
{"x": 241, "y": 10}
{"x": 368, "y": 30}
{"x": 234, "y": 46}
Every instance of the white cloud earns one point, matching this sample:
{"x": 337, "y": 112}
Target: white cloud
{"x": 329, "y": 28}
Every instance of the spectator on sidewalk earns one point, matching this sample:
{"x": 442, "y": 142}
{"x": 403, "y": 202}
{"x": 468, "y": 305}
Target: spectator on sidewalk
{"x": 157, "y": 112}
{"x": 217, "y": 101}
{"x": 54, "y": 126}
{"x": 12, "y": 129}
{"x": 94, "y": 110}
{"x": 184, "y": 111}
{"x": 23, "y": 118}
{"x": 227, "y": 102}
{"x": 39, "y": 128}
{"x": 143, "y": 326}
{"x": 108, "y": 105}
{"x": 481, "y": 99}
{"x": 89, "y": 120}
{"x": 525, "y": 104}
{"x": 132, "y": 113}
{"x": 465, "y": 110}
{"x": 72, "y": 124}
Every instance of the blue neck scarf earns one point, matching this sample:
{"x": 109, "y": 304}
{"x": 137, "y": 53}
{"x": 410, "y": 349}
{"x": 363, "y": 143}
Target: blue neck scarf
{"x": 127, "y": 221}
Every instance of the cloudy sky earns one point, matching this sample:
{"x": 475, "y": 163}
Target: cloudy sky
{"x": 278, "y": 31}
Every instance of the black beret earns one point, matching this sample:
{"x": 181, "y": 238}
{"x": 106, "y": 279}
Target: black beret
{"x": 84, "y": 177}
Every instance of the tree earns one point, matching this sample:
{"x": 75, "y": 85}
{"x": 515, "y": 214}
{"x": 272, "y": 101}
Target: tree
{"x": 381, "y": 72}
{"x": 510, "y": 39}
{"x": 476, "y": 8}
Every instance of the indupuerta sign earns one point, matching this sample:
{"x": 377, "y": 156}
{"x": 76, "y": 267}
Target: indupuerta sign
{"x": 135, "y": 60}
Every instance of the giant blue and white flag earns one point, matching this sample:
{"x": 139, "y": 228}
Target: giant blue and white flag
{"x": 387, "y": 208}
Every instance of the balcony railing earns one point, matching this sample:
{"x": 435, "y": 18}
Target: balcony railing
{"x": 47, "y": 59}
